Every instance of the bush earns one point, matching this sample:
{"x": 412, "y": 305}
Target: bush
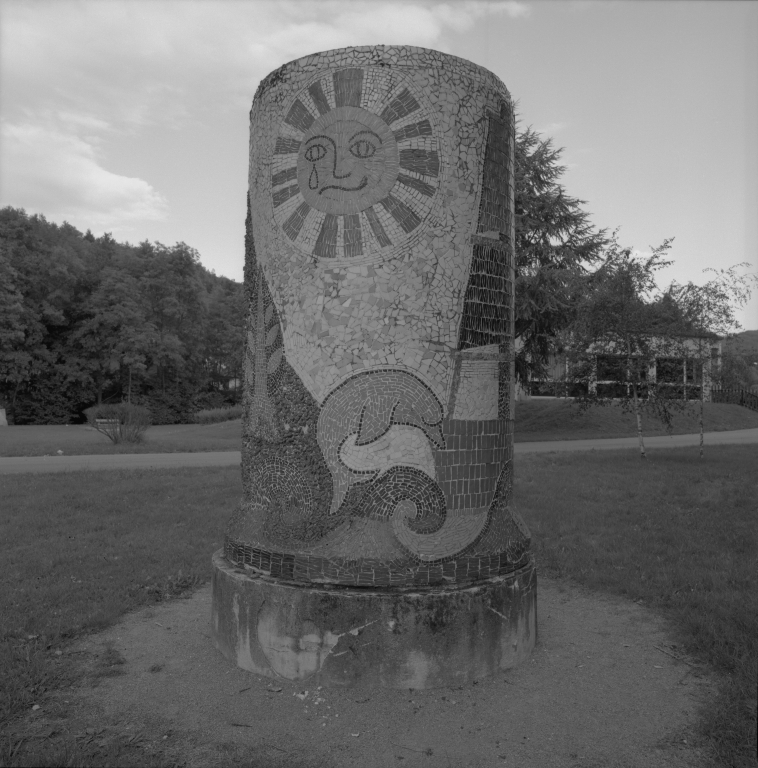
{"x": 177, "y": 404}
{"x": 165, "y": 407}
{"x": 50, "y": 399}
{"x": 121, "y": 422}
{"x": 216, "y": 415}
{"x": 216, "y": 399}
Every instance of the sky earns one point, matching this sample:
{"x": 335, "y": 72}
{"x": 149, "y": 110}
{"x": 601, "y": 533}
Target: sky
{"x": 131, "y": 116}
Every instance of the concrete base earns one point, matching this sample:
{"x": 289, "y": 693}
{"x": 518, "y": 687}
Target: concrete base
{"x": 343, "y": 636}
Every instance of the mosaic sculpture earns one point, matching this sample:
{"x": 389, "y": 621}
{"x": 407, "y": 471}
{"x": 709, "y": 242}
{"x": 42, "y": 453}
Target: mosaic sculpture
{"x": 378, "y": 427}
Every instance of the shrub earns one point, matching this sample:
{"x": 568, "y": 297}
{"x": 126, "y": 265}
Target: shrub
{"x": 164, "y": 407}
{"x": 121, "y": 422}
{"x": 50, "y": 399}
{"x": 175, "y": 405}
{"x": 216, "y": 415}
{"x": 207, "y": 400}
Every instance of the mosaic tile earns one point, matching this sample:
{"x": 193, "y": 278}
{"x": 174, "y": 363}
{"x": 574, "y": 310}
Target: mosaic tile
{"x": 348, "y": 84}
{"x": 378, "y": 431}
{"x": 299, "y": 117}
{"x": 286, "y": 146}
{"x": 319, "y": 99}
{"x": 294, "y": 223}
{"x": 425, "y": 162}
{"x": 399, "y": 107}
{"x": 421, "y": 128}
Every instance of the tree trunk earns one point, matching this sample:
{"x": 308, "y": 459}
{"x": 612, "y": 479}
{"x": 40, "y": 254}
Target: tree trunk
{"x": 702, "y": 409}
{"x": 639, "y": 420}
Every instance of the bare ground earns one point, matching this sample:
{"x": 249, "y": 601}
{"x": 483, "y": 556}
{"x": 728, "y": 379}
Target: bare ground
{"x": 603, "y": 689}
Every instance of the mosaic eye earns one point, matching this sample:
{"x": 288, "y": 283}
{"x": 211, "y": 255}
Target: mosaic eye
{"x": 315, "y": 152}
{"x": 362, "y": 148}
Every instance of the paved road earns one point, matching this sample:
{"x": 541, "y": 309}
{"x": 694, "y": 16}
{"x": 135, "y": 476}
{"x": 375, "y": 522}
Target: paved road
{"x": 14, "y": 465}
{"x": 740, "y": 436}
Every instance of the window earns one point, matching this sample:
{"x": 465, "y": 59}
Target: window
{"x": 610, "y": 368}
{"x": 669, "y": 370}
{"x": 614, "y": 368}
{"x": 694, "y": 371}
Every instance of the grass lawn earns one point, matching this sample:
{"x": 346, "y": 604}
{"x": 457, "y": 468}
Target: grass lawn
{"x": 562, "y": 420}
{"x": 75, "y": 559}
{"x": 676, "y": 532}
{"x": 535, "y": 420}
{"x": 79, "y": 439}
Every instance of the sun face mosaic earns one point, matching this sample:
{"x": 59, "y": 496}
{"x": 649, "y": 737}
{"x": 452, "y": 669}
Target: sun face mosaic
{"x": 356, "y": 163}
{"x": 378, "y": 431}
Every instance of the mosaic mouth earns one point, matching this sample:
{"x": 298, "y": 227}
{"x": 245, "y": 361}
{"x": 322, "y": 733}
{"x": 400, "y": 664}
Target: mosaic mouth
{"x": 346, "y": 189}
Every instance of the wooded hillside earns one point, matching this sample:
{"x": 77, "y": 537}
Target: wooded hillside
{"x": 85, "y": 320}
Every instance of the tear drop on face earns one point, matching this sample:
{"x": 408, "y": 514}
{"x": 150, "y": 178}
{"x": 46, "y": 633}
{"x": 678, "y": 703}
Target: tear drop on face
{"x": 347, "y": 163}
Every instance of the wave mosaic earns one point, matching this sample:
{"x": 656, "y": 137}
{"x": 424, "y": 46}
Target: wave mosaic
{"x": 378, "y": 430}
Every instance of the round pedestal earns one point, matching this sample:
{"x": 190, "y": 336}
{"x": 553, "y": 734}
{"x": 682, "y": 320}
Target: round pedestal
{"x": 343, "y": 636}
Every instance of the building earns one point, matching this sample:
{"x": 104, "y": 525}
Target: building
{"x": 681, "y": 373}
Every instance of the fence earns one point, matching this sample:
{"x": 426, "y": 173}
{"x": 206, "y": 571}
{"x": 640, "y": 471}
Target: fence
{"x": 736, "y": 396}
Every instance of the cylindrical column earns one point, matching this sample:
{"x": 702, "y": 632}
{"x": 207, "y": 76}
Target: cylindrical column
{"x": 378, "y": 427}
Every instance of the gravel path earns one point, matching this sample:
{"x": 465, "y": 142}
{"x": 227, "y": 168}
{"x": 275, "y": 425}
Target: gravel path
{"x": 601, "y": 690}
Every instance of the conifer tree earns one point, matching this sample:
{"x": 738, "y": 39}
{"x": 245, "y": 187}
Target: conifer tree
{"x": 555, "y": 245}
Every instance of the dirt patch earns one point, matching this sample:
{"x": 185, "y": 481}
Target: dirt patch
{"x": 602, "y": 690}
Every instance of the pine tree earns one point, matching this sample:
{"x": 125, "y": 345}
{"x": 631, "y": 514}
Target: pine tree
{"x": 555, "y": 244}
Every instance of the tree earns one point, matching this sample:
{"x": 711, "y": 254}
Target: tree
{"x": 710, "y": 310}
{"x": 555, "y": 244}
{"x": 737, "y": 367}
{"x": 623, "y": 315}
{"x": 224, "y": 334}
{"x": 13, "y": 360}
{"x": 41, "y": 376}
{"x": 115, "y": 332}
{"x": 174, "y": 293}
{"x": 84, "y": 319}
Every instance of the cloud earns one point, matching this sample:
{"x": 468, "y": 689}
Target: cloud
{"x": 52, "y": 171}
{"x": 74, "y": 73}
{"x": 551, "y": 129}
{"x": 462, "y": 16}
{"x": 136, "y": 63}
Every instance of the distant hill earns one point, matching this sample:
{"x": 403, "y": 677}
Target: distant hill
{"x": 745, "y": 343}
